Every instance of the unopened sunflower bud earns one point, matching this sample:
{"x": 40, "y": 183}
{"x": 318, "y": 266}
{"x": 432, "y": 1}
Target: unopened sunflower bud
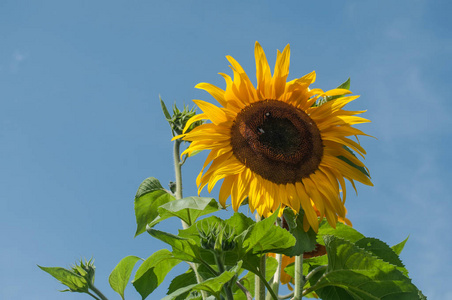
{"x": 179, "y": 119}
{"x": 86, "y": 270}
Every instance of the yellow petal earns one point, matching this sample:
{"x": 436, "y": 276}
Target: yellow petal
{"x": 281, "y": 72}
{"x": 213, "y": 90}
{"x": 263, "y": 72}
{"x": 225, "y": 190}
{"x": 214, "y": 113}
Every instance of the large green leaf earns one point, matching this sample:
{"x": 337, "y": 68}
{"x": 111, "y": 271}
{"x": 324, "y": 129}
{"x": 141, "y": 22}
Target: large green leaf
{"x": 150, "y": 196}
{"x": 239, "y": 222}
{"x": 305, "y": 241}
{"x": 153, "y": 270}
{"x": 342, "y": 231}
{"x": 382, "y": 250}
{"x": 74, "y": 282}
{"x": 182, "y": 281}
{"x": 183, "y": 248}
{"x": 188, "y": 209}
{"x": 354, "y": 273}
{"x": 211, "y": 285}
{"x": 265, "y": 236}
{"x": 399, "y": 247}
{"x": 119, "y": 277}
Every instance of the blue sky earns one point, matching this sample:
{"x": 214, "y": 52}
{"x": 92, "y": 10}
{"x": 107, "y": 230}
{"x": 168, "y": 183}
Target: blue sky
{"x": 81, "y": 125}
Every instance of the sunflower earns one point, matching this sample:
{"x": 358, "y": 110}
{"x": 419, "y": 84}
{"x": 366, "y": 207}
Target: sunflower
{"x": 275, "y": 144}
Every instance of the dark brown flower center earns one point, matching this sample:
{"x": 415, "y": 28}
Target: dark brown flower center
{"x": 277, "y": 141}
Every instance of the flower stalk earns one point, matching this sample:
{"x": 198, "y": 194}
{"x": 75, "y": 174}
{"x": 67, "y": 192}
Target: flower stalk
{"x": 178, "y": 195}
{"x": 98, "y": 293}
{"x": 299, "y": 279}
{"x": 276, "y": 278}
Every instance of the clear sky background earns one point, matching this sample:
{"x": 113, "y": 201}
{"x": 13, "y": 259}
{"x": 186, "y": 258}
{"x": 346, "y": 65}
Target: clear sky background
{"x": 81, "y": 125}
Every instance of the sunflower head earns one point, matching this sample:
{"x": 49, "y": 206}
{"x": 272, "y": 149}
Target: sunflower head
{"x": 275, "y": 144}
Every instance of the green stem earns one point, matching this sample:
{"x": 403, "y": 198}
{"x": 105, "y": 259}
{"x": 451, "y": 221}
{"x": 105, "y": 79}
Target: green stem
{"x": 299, "y": 280}
{"x": 92, "y": 295}
{"x": 259, "y": 287}
{"x": 275, "y": 297}
{"x": 178, "y": 195}
{"x": 276, "y": 278}
{"x": 220, "y": 264}
{"x": 177, "y": 169}
{"x": 244, "y": 290}
{"x": 285, "y": 296}
{"x": 319, "y": 268}
{"x": 98, "y": 293}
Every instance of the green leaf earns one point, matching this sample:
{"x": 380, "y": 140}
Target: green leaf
{"x": 182, "y": 281}
{"x": 211, "y": 285}
{"x": 119, "y": 277}
{"x": 354, "y": 273}
{"x": 239, "y": 222}
{"x": 343, "y": 158}
{"x": 265, "y": 236}
{"x": 150, "y": 196}
{"x": 383, "y": 251}
{"x": 399, "y": 247}
{"x": 342, "y": 231}
{"x": 153, "y": 270}
{"x": 74, "y": 282}
{"x": 183, "y": 248}
{"x": 305, "y": 241}
{"x": 188, "y": 209}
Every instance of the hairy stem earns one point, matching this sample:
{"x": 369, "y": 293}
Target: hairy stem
{"x": 259, "y": 287}
{"x": 299, "y": 280}
{"x": 98, "y": 293}
{"x": 244, "y": 290}
{"x": 276, "y": 278}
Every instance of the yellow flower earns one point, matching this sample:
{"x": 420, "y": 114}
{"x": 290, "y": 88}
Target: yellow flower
{"x": 274, "y": 145}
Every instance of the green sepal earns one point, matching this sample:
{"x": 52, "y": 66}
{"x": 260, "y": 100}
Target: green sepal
{"x": 119, "y": 277}
{"x": 345, "y": 85}
{"x": 165, "y": 110}
{"x": 150, "y": 196}
{"x": 188, "y": 209}
{"x": 153, "y": 270}
{"x": 74, "y": 282}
